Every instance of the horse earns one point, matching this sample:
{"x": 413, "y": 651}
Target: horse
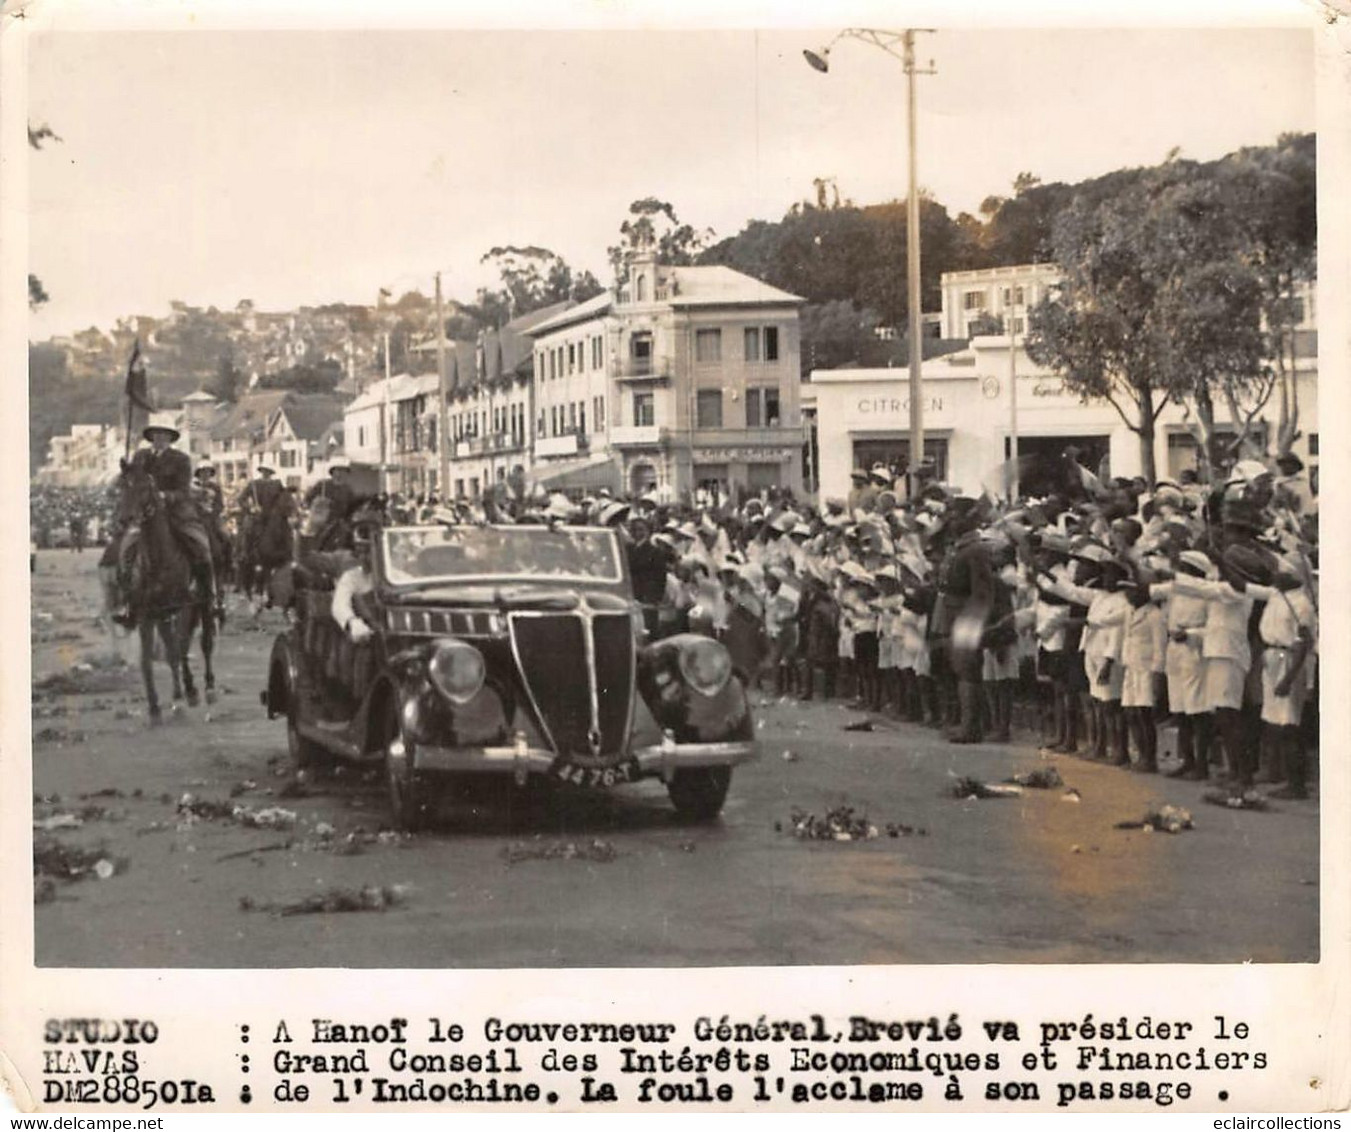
{"x": 268, "y": 546}
{"x": 161, "y": 595}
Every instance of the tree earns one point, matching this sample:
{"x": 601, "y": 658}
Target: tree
{"x": 37, "y": 294}
{"x": 320, "y": 378}
{"x": 1155, "y": 304}
{"x": 532, "y": 277}
{"x": 835, "y": 333}
{"x": 224, "y": 386}
{"x": 654, "y": 224}
{"x": 1274, "y": 189}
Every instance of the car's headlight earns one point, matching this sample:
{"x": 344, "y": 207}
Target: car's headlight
{"x": 706, "y": 666}
{"x": 457, "y": 670}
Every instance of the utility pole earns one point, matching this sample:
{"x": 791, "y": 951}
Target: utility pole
{"x": 1013, "y": 395}
{"x": 914, "y": 297}
{"x": 820, "y": 61}
{"x": 385, "y": 446}
{"x": 442, "y": 448}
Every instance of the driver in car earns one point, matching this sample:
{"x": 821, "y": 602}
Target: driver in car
{"x": 353, "y": 583}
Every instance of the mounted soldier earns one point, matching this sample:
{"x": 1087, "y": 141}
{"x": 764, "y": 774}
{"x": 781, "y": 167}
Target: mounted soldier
{"x": 210, "y": 501}
{"x": 268, "y": 508}
{"x": 329, "y": 503}
{"x": 171, "y": 472}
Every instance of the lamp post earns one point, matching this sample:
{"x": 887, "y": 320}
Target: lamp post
{"x": 889, "y": 41}
{"x": 1013, "y": 394}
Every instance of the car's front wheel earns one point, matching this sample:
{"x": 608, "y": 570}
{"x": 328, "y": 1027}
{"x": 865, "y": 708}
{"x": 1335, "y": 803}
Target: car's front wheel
{"x": 698, "y": 793}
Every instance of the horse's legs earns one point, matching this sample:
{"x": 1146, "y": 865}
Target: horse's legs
{"x": 147, "y": 629}
{"x": 184, "y": 627}
{"x": 209, "y": 647}
{"x": 168, "y": 631}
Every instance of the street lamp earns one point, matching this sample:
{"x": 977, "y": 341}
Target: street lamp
{"x": 888, "y": 41}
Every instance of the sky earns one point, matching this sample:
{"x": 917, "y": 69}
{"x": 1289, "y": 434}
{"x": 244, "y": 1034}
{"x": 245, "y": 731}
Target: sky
{"x": 303, "y": 167}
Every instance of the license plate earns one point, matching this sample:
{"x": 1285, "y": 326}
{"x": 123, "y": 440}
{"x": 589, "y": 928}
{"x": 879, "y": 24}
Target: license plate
{"x": 596, "y": 776}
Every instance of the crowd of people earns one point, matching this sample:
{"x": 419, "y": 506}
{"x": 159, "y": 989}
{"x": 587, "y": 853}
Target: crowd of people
{"x": 73, "y": 517}
{"x": 1111, "y": 612}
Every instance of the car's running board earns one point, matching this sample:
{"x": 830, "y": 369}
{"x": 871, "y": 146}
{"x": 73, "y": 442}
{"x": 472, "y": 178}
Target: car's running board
{"x": 330, "y": 740}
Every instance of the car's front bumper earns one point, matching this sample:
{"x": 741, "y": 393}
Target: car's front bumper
{"x": 661, "y": 759}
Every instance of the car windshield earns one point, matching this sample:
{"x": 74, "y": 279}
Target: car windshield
{"x": 421, "y": 554}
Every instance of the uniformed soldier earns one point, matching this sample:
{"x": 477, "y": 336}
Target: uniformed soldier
{"x": 329, "y": 502}
{"x": 171, "y": 470}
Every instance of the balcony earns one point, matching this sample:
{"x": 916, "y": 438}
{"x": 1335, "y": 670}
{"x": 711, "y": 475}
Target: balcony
{"x": 638, "y": 436}
{"x": 641, "y": 369}
{"x": 568, "y": 444}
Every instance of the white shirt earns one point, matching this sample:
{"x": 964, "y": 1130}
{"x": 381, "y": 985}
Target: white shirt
{"x": 353, "y": 583}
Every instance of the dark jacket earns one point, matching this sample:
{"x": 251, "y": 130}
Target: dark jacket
{"x": 647, "y": 566}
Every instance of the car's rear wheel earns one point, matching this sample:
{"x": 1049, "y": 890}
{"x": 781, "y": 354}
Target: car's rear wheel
{"x": 407, "y": 804}
{"x": 698, "y": 793}
{"x": 306, "y": 755}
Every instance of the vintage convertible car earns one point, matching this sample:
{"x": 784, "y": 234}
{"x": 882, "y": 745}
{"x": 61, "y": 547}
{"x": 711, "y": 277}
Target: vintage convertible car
{"x": 511, "y": 650}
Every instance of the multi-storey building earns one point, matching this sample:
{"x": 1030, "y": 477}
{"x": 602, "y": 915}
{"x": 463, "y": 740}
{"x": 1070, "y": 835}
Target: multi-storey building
{"x": 490, "y": 393}
{"x": 286, "y": 430}
{"x": 684, "y": 379}
{"x": 978, "y": 302}
{"x": 972, "y": 399}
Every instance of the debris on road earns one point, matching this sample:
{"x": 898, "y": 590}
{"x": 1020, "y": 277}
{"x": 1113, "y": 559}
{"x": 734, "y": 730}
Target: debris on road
{"x": 840, "y": 823}
{"x": 1248, "y": 801}
{"x": 50, "y": 711}
{"x": 57, "y": 821}
{"x": 192, "y": 809}
{"x": 597, "y": 849}
{"x": 1043, "y": 778}
{"x": 101, "y": 674}
{"x": 53, "y": 858}
{"x": 1071, "y": 795}
{"x": 271, "y": 848}
{"x": 1164, "y": 819}
{"x": 789, "y": 756}
{"x": 58, "y": 735}
{"x": 860, "y": 725}
{"x": 368, "y": 898}
{"x": 967, "y": 787}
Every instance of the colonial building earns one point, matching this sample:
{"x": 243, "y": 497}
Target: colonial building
{"x": 683, "y": 379}
{"x": 859, "y": 417}
{"x": 491, "y": 392}
{"x": 286, "y": 430}
{"x": 978, "y": 302}
{"x": 85, "y": 457}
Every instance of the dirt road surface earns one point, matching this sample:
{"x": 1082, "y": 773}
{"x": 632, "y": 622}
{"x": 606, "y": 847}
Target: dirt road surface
{"x": 568, "y": 879}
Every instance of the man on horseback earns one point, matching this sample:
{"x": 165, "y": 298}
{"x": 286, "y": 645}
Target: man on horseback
{"x": 171, "y": 472}
{"x": 330, "y": 502}
{"x": 268, "y": 509}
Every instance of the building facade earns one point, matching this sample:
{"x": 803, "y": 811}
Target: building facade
{"x": 978, "y": 302}
{"x": 683, "y": 380}
{"x": 861, "y": 417}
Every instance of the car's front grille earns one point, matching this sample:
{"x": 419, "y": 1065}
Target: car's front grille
{"x": 561, "y": 669}
{"x": 416, "y": 621}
